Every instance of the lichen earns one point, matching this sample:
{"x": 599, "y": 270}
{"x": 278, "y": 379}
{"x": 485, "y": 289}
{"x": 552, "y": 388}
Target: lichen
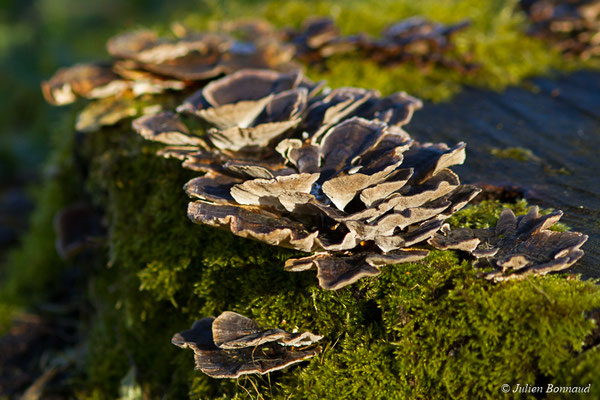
{"x": 515, "y": 153}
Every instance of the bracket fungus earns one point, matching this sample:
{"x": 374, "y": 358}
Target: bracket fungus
{"x": 232, "y": 345}
{"x": 414, "y": 40}
{"x": 422, "y": 42}
{"x": 319, "y": 38}
{"x": 572, "y": 26}
{"x": 331, "y": 174}
{"x": 144, "y": 63}
{"x": 285, "y": 160}
{"x": 517, "y": 247}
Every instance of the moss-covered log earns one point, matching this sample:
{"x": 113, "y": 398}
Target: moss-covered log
{"x": 429, "y": 329}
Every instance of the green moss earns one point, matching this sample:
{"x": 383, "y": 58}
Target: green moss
{"x": 514, "y": 153}
{"x": 420, "y": 329}
{"x": 505, "y": 330}
{"x": 428, "y": 329}
{"x": 581, "y": 370}
{"x": 162, "y": 280}
{"x": 486, "y": 213}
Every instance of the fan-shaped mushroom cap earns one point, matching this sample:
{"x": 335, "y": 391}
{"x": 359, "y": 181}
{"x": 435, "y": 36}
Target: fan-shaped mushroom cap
{"x": 129, "y": 44}
{"x": 284, "y": 192}
{"x": 255, "y": 223}
{"x": 327, "y": 110}
{"x": 91, "y": 80}
{"x": 165, "y": 127}
{"x": 248, "y": 85}
{"x": 266, "y": 101}
{"x": 335, "y": 272}
{"x": 232, "y": 345}
{"x": 517, "y": 247}
{"x": 233, "y": 331}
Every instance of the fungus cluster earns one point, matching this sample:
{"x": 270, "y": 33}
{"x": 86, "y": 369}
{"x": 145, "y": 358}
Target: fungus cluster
{"x": 232, "y": 345}
{"x": 331, "y": 174}
{"x": 144, "y": 63}
{"x": 414, "y": 40}
{"x": 517, "y": 247}
{"x": 289, "y": 162}
{"x": 572, "y": 26}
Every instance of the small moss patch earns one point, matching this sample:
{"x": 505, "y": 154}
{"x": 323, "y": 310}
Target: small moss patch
{"x": 515, "y": 153}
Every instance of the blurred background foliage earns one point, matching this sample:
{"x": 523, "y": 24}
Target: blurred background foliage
{"x": 36, "y": 38}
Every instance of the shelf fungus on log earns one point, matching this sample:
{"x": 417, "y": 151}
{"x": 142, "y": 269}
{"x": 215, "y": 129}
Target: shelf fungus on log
{"x": 572, "y": 26}
{"x": 232, "y": 345}
{"x": 415, "y": 40}
{"x": 422, "y": 42}
{"x": 332, "y": 173}
{"x": 252, "y": 110}
{"x": 516, "y": 247}
{"x": 144, "y": 63}
{"x": 319, "y": 38}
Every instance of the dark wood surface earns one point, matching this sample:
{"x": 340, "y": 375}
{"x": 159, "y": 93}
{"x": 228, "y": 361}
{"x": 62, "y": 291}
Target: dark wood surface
{"x": 558, "y": 120}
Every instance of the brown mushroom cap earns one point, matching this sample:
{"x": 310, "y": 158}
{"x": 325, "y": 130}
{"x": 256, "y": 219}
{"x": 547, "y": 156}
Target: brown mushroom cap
{"x": 517, "y": 246}
{"x": 232, "y": 345}
{"x": 91, "y": 80}
{"x": 335, "y": 272}
{"x": 573, "y": 27}
{"x": 250, "y": 107}
{"x": 233, "y": 331}
{"x": 165, "y": 127}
